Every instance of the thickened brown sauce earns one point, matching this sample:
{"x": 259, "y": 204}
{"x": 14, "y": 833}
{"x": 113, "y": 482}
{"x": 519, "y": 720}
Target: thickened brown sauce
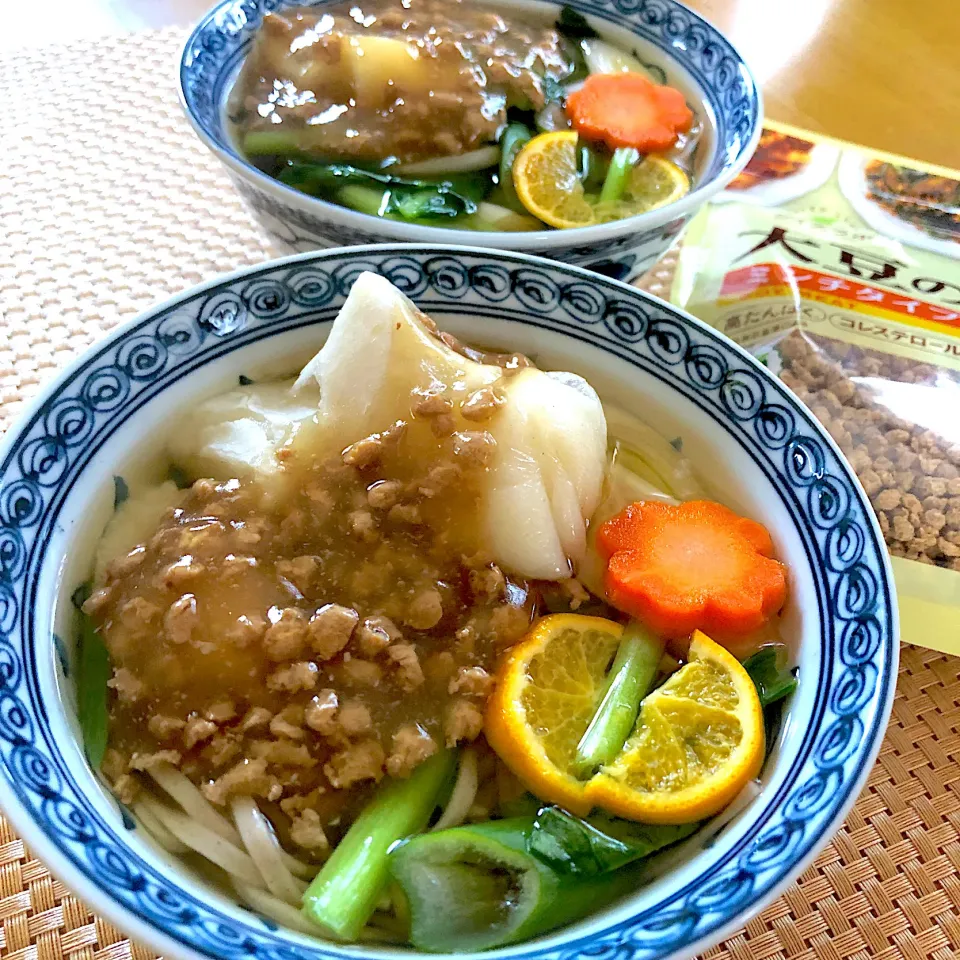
{"x": 300, "y": 647}
{"x": 373, "y": 81}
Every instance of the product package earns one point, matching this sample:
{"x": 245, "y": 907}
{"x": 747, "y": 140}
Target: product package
{"x": 840, "y": 270}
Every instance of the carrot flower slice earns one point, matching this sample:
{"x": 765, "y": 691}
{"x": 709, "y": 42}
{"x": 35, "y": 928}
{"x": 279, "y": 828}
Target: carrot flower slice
{"x": 628, "y": 110}
{"x": 691, "y": 566}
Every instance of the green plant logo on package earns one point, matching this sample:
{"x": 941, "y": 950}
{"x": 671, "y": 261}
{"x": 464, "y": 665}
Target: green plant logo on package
{"x": 840, "y": 269}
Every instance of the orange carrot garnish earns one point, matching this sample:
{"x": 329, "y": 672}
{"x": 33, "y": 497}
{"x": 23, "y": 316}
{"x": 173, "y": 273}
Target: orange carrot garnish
{"x": 691, "y": 566}
{"x": 627, "y": 110}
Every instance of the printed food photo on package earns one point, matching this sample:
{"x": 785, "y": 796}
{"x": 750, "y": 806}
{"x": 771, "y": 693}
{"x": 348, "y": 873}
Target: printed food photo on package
{"x": 840, "y": 270}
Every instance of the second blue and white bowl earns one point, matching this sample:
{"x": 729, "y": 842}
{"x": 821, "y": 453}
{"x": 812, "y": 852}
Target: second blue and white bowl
{"x": 692, "y": 54}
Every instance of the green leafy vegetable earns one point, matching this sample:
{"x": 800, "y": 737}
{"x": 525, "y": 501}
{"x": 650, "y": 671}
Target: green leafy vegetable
{"x": 121, "y": 492}
{"x": 524, "y": 805}
{"x": 93, "y": 672}
{"x": 401, "y": 198}
{"x": 770, "y": 675}
{"x": 599, "y": 844}
{"x": 553, "y": 89}
{"x": 179, "y": 476}
{"x": 574, "y": 25}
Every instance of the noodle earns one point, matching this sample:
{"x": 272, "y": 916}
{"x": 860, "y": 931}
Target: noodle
{"x": 666, "y": 464}
{"x": 151, "y": 823}
{"x": 194, "y": 803}
{"x": 207, "y": 843}
{"x": 264, "y": 849}
{"x": 306, "y": 871}
{"x": 267, "y": 904}
{"x": 463, "y": 793}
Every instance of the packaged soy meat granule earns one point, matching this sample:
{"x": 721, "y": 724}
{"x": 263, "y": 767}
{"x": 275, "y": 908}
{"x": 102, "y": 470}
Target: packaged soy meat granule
{"x": 841, "y": 271}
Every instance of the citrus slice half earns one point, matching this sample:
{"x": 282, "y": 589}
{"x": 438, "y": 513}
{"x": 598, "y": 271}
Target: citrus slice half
{"x": 547, "y": 184}
{"x": 548, "y": 688}
{"x": 697, "y": 742}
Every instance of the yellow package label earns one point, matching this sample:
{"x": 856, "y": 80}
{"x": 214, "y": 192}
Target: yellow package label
{"x": 841, "y": 270}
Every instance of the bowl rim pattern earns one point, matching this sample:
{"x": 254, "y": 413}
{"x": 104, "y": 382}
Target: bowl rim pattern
{"x": 212, "y": 52}
{"x": 44, "y": 455}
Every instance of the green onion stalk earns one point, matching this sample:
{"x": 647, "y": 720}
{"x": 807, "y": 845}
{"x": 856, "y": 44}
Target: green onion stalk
{"x": 483, "y": 885}
{"x": 631, "y": 676}
{"x": 618, "y": 175}
{"x": 345, "y": 893}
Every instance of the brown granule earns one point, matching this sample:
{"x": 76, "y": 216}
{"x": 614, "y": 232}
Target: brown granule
{"x": 908, "y": 471}
{"x": 302, "y": 572}
{"x": 297, "y": 676}
{"x": 471, "y": 681}
{"x": 411, "y": 746}
{"x": 196, "y": 731}
{"x": 481, "y": 405}
{"x": 307, "y": 832}
{"x": 462, "y": 721}
{"x": 180, "y": 572}
{"x": 405, "y": 515}
{"x": 181, "y": 618}
{"x": 286, "y": 637}
{"x": 425, "y": 610}
{"x": 375, "y": 634}
{"x": 255, "y": 718}
{"x": 246, "y": 778}
{"x": 321, "y": 712}
{"x": 98, "y": 600}
{"x": 246, "y": 630}
{"x": 331, "y": 628}
{"x": 404, "y": 656}
{"x": 223, "y": 711}
{"x": 488, "y": 582}
{"x": 128, "y": 686}
{"x": 355, "y": 719}
{"x": 123, "y": 566}
{"x": 147, "y": 761}
{"x": 289, "y": 723}
{"x": 283, "y": 753}
{"x": 384, "y": 494}
{"x": 220, "y": 751}
{"x": 165, "y": 728}
{"x": 430, "y": 404}
{"x": 474, "y": 447}
{"x": 361, "y": 673}
{"x": 355, "y": 763}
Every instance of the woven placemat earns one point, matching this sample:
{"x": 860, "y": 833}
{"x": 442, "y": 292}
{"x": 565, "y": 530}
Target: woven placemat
{"x": 107, "y": 204}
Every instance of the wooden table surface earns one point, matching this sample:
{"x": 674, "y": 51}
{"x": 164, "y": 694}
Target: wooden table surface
{"x": 879, "y": 72}
{"x": 884, "y": 73}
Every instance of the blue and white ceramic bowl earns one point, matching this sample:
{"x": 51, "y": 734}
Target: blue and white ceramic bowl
{"x": 760, "y": 449}
{"x": 691, "y": 54}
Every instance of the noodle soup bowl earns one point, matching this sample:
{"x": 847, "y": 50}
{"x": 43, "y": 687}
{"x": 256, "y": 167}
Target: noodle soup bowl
{"x": 102, "y": 423}
{"x": 672, "y": 41}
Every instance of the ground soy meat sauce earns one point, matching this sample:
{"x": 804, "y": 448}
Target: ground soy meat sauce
{"x": 298, "y": 653}
{"x": 332, "y": 75}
